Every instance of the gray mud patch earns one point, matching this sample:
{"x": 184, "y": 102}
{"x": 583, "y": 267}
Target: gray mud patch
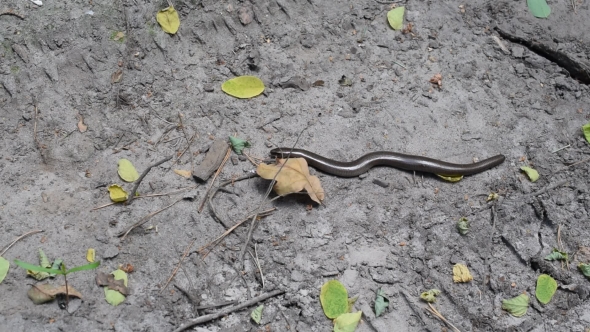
{"x": 388, "y": 228}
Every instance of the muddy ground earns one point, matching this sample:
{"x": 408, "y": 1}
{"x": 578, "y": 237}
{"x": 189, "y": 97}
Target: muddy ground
{"x": 497, "y": 97}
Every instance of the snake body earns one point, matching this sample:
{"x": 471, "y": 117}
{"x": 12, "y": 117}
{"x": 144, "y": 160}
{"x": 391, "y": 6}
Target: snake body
{"x": 407, "y": 162}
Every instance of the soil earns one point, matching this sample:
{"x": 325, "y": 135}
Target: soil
{"x": 62, "y": 63}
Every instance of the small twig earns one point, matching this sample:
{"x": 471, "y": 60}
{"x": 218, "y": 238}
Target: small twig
{"x": 18, "y": 239}
{"x": 565, "y": 147}
{"x": 207, "y": 318}
{"x": 228, "y": 153}
{"x": 215, "y": 305}
{"x": 218, "y": 188}
{"x": 186, "y": 251}
{"x": 12, "y": 12}
{"x": 190, "y": 296}
{"x": 441, "y": 317}
{"x": 184, "y": 151}
{"x": 231, "y": 229}
{"x": 167, "y": 194}
{"x": 548, "y": 188}
{"x": 138, "y": 182}
{"x": 257, "y": 262}
{"x": 186, "y": 137}
{"x": 144, "y": 220}
{"x": 399, "y": 64}
{"x": 103, "y": 206}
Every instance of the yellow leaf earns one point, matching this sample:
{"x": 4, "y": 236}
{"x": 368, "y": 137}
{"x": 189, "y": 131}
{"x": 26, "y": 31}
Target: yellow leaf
{"x": 243, "y": 87}
{"x": 531, "y": 173}
{"x": 461, "y": 273}
{"x": 183, "y": 173}
{"x": 117, "y": 193}
{"x": 451, "y": 178}
{"x": 168, "y": 20}
{"x": 395, "y": 17}
{"x": 127, "y": 171}
{"x": 90, "y": 255}
{"x": 292, "y": 178}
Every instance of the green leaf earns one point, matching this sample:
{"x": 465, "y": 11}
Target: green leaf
{"x": 257, "y": 314}
{"x": 557, "y": 255}
{"x": 114, "y": 297}
{"x": 395, "y": 17}
{"x": 127, "y": 171}
{"x": 351, "y": 302}
{"x": 516, "y": 306}
{"x": 531, "y": 173}
{"x": 539, "y": 8}
{"x": 381, "y": 303}
{"x": 4, "y": 267}
{"x": 586, "y": 131}
{"x": 168, "y": 20}
{"x": 36, "y": 268}
{"x": 585, "y": 269}
{"x": 463, "y": 226}
{"x": 347, "y": 322}
{"x": 90, "y": 266}
{"x": 243, "y": 87}
{"x": 430, "y": 295}
{"x": 546, "y": 287}
{"x": 43, "y": 260}
{"x": 238, "y": 144}
{"x": 334, "y": 299}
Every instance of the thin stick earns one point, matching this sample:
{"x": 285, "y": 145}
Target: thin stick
{"x": 186, "y": 251}
{"x": 167, "y": 194}
{"x": 12, "y": 12}
{"x": 103, "y": 206}
{"x": 20, "y": 238}
{"x": 549, "y": 187}
{"x": 184, "y": 151}
{"x": 186, "y": 137}
{"x": 227, "y": 154}
{"x": 145, "y": 219}
{"x": 257, "y": 262}
{"x": 565, "y": 147}
{"x": 214, "y": 192}
{"x": 138, "y": 182}
{"x": 227, "y": 232}
{"x": 263, "y": 200}
{"x": 441, "y": 317}
{"x": 224, "y": 312}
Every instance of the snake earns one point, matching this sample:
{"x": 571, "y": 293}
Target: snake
{"x": 347, "y": 169}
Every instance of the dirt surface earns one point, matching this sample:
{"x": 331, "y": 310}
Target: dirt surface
{"x": 58, "y": 64}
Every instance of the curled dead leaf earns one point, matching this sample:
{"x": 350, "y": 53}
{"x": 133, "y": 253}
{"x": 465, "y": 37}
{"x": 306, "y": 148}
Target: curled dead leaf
{"x": 44, "y": 293}
{"x": 116, "y": 76}
{"x": 436, "y": 79}
{"x": 292, "y": 177}
{"x": 107, "y": 279}
{"x": 81, "y": 126}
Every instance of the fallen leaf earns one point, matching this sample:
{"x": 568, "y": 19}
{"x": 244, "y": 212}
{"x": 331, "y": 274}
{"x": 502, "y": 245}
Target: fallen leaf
{"x": 430, "y": 295}
{"x": 531, "y": 173}
{"x": 334, "y": 299}
{"x": 345, "y": 81}
{"x": 44, "y": 293}
{"x": 436, "y": 79}
{"x": 516, "y": 306}
{"x": 43, "y": 262}
{"x": 451, "y": 178}
{"x": 395, "y": 17}
{"x": 539, "y": 8}
{"x": 117, "y": 193}
{"x": 586, "y": 131}
{"x": 492, "y": 197}
{"x": 119, "y": 35}
{"x": 381, "y": 302}
{"x": 557, "y": 255}
{"x": 114, "y": 297}
{"x": 238, "y": 145}
{"x": 116, "y": 76}
{"x": 351, "y": 302}
{"x": 546, "y": 287}
{"x": 108, "y": 280}
{"x": 463, "y": 226}
{"x": 184, "y": 173}
{"x": 461, "y": 273}
{"x": 90, "y": 255}
{"x": 243, "y": 87}
{"x": 347, "y": 322}
{"x": 168, "y": 20}
{"x": 4, "y": 267}
{"x": 585, "y": 269}
{"x": 128, "y": 268}
{"x": 257, "y": 314}
{"x": 81, "y": 126}
{"x": 127, "y": 171}
{"x": 293, "y": 177}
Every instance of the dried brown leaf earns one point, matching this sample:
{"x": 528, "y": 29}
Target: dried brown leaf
{"x": 44, "y": 293}
{"x": 107, "y": 279}
{"x": 116, "y": 76}
{"x": 81, "y": 126}
{"x": 293, "y": 177}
